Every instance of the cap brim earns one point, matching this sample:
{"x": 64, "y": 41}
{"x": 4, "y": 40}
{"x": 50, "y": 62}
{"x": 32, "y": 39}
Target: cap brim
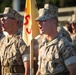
{"x": 3, "y": 15}
{"x": 40, "y": 18}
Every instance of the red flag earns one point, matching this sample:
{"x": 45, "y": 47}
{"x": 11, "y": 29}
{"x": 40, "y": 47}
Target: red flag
{"x": 30, "y": 27}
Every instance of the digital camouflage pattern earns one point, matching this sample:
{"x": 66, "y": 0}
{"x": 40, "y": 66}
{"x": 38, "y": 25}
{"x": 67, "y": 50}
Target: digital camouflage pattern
{"x": 49, "y": 11}
{"x": 73, "y": 37}
{"x": 53, "y": 55}
{"x": 11, "y": 13}
{"x": 37, "y": 42}
{"x": 1, "y": 36}
{"x": 11, "y": 54}
{"x": 64, "y": 32}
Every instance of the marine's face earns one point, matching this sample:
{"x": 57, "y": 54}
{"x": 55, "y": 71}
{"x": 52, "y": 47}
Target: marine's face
{"x": 7, "y": 24}
{"x": 45, "y": 26}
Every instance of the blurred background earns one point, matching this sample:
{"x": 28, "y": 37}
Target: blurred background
{"x": 20, "y": 4}
{"x": 66, "y": 7}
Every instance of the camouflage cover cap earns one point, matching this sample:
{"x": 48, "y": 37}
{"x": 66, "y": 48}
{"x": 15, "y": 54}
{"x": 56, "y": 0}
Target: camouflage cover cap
{"x": 8, "y": 12}
{"x": 49, "y": 11}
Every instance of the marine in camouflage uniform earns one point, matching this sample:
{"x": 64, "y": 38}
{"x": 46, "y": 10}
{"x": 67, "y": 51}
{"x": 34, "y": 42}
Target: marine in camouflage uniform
{"x": 15, "y": 54}
{"x": 38, "y": 41}
{"x": 11, "y": 54}
{"x": 53, "y": 56}
{"x": 73, "y": 25}
{"x": 57, "y": 56}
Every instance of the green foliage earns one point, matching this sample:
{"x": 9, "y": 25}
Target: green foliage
{"x": 54, "y": 1}
{"x": 40, "y": 3}
{"x": 70, "y": 3}
{"x": 5, "y": 3}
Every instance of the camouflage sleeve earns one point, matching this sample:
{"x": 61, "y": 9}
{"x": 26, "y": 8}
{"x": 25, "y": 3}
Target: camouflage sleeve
{"x": 68, "y": 53}
{"x": 24, "y": 50}
{"x": 1, "y": 42}
{"x": 70, "y": 60}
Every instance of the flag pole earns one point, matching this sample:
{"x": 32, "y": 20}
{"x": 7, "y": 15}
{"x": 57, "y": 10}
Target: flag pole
{"x": 30, "y": 29}
{"x": 31, "y": 58}
{"x": 35, "y": 32}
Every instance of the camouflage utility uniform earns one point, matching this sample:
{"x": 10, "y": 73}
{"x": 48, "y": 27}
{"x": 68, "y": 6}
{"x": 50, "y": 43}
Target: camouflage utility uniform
{"x": 11, "y": 52}
{"x": 37, "y": 42}
{"x": 64, "y": 33}
{"x": 73, "y": 36}
{"x": 1, "y": 36}
{"x": 55, "y": 55}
